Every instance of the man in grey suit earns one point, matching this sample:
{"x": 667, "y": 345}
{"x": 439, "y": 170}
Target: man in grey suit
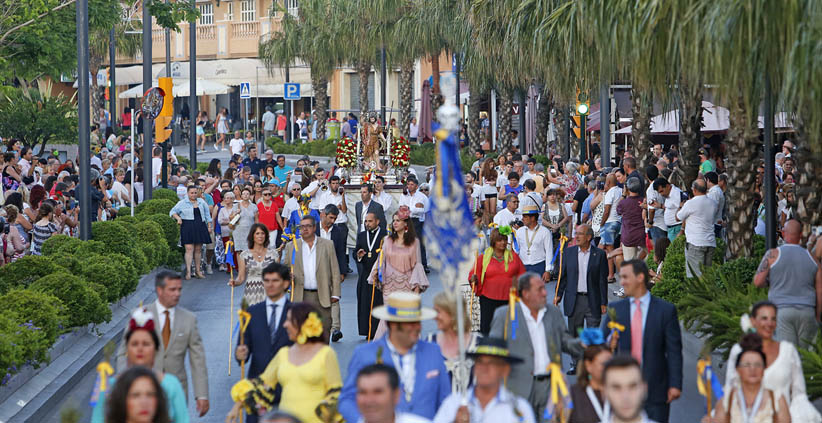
{"x": 316, "y": 270}
{"x": 368, "y": 205}
{"x": 537, "y": 334}
{"x": 177, "y": 330}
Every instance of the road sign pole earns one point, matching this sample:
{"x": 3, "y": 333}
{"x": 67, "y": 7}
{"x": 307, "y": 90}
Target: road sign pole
{"x": 83, "y": 99}
{"x": 148, "y": 176}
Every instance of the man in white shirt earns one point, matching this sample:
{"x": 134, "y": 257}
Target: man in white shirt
{"x": 502, "y": 174}
{"x": 610, "y": 224}
{"x": 507, "y": 215}
{"x": 237, "y": 144}
{"x": 715, "y": 193}
{"x": 416, "y": 201}
{"x": 530, "y": 173}
{"x": 488, "y": 400}
{"x": 536, "y": 247}
{"x": 156, "y": 165}
{"x": 336, "y": 195}
{"x": 333, "y": 233}
{"x": 378, "y": 394}
{"x": 655, "y": 218}
{"x": 698, "y": 215}
{"x": 291, "y": 203}
{"x": 672, "y": 197}
{"x": 269, "y": 120}
{"x": 385, "y": 199}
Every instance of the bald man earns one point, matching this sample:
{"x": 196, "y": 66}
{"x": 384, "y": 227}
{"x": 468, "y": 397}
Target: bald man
{"x": 795, "y": 286}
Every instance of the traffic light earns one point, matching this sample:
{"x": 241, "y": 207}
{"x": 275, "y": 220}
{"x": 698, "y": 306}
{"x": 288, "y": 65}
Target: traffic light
{"x": 161, "y": 132}
{"x": 582, "y": 104}
{"x": 576, "y": 125}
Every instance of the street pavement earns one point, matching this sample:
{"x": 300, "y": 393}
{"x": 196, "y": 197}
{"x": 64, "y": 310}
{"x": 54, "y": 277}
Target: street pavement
{"x": 209, "y": 299}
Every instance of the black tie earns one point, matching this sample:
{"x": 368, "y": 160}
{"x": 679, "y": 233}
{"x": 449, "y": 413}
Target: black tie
{"x": 272, "y": 322}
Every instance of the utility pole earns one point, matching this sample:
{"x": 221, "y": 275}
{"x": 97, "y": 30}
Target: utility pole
{"x": 112, "y": 97}
{"x": 605, "y": 123}
{"x": 287, "y": 110}
{"x": 383, "y": 83}
{"x": 83, "y": 119}
{"x": 148, "y": 176}
{"x": 522, "y": 115}
{"x": 169, "y": 96}
{"x": 192, "y": 81}
{"x": 770, "y": 176}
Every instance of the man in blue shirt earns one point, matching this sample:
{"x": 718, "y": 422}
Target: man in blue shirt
{"x": 352, "y": 122}
{"x": 252, "y": 161}
{"x": 282, "y": 171}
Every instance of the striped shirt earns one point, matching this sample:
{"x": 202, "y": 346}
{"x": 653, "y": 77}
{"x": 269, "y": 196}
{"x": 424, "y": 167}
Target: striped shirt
{"x": 39, "y": 235}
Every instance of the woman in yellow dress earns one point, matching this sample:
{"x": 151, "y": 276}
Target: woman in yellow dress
{"x": 308, "y": 371}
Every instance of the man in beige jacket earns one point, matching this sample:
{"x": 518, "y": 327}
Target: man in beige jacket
{"x": 316, "y": 270}
{"x": 176, "y": 328}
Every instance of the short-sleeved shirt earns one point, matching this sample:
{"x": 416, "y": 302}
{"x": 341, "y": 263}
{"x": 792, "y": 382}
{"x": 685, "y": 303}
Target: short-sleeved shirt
{"x": 282, "y": 173}
{"x": 236, "y": 145}
{"x": 268, "y": 215}
{"x": 633, "y": 229}
{"x": 255, "y": 165}
{"x": 612, "y": 197}
{"x": 40, "y": 233}
{"x": 268, "y": 121}
{"x": 706, "y": 167}
{"x": 579, "y": 197}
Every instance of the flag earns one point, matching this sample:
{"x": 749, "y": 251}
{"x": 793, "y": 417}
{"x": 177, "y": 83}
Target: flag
{"x": 449, "y": 226}
{"x": 705, "y": 374}
{"x": 229, "y": 253}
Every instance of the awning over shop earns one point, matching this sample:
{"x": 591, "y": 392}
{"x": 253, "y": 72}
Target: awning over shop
{"x": 715, "y": 119}
{"x": 182, "y": 88}
{"x": 129, "y": 75}
{"x": 233, "y": 72}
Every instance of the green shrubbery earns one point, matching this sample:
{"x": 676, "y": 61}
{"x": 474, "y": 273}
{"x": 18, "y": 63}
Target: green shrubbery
{"x": 71, "y": 284}
{"x": 164, "y": 194}
{"x": 327, "y": 148}
{"x": 159, "y": 206}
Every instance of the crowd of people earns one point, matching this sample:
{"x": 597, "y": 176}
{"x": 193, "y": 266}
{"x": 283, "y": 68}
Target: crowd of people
{"x": 281, "y": 233}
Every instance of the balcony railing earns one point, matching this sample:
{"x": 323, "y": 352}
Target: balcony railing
{"x": 240, "y": 30}
{"x": 158, "y": 35}
{"x": 206, "y": 32}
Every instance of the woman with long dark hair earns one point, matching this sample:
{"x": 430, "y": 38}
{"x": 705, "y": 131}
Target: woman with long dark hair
{"x": 400, "y": 268}
{"x": 137, "y": 398}
{"x": 589, "y": 402}
{"x": 44, "y": 227}
{"x": 252, "y": 262}
{"x": 214, "y": 168}
{"x": 307, "y": 370}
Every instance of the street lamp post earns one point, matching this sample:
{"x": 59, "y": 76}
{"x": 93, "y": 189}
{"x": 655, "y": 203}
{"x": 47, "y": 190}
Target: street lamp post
{"x": 148, "y": 177}
{"x": 169, "y": 96}
{"x": 112, "y": 99}
{"x": 770, "y": 168}
{"x": 192, "y": 97}
{"x": 83, "y": 118}
{"x": 605, "y": 123}
{"x": 383, "y": 82}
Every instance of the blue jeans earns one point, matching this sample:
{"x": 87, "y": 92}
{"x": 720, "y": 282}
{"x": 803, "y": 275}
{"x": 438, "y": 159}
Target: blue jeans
{"x": 656, "y": 233}
{"x": 609, "y": 232}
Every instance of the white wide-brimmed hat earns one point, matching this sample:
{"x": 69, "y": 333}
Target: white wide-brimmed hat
{"x": 403, "y": 307}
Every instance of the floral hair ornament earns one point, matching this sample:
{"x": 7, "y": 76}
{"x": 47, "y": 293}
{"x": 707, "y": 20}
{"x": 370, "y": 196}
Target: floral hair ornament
{"x": 141, "y": 319}
{"x": 403, "y": 213}
{"x": 312, "y": 327}
{"x": 591, "y": 336}
{"x": 745, "y": 324}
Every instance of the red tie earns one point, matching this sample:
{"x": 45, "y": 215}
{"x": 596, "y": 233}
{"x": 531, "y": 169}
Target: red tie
{"x": 636, "y": 332}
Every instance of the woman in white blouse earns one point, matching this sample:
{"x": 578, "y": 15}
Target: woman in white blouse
{"x": 783, "y": 369}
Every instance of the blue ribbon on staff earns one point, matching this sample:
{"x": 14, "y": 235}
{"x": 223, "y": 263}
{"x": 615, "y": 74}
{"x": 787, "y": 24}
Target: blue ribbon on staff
{"x": 515, "y": 243}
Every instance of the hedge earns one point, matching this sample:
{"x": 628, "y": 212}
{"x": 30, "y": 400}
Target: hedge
{"x": 82, "y": 301}
{"x": 325, "y": 148}
{"x": 57, "y": 242}
{"x": 44, "y": 311}
{"x": 115, "y": 236}
{"x": 164, "y": 194}
{"x": 26, "y": 271}
{"x": 108, "y": 273}
{"x": 170, "y": 229}
{"x": 153, "y": 206}
{"x": 21, "y": 344}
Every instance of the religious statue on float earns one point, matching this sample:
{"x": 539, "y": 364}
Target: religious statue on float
{"x": 372, "y": 139}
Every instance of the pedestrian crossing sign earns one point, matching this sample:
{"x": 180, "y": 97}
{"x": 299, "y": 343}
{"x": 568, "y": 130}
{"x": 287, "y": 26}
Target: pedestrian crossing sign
{"x": 245, "y": 90}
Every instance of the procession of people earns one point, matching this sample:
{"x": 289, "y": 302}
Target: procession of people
{"x": 534, "y": 333}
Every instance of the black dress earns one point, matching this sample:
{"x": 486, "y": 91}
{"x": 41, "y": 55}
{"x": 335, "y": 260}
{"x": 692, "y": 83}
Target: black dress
{"x": 194, "y": 231}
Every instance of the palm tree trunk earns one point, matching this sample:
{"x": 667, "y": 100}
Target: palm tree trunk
{"x": 561, "y": 119}
{"x": 436, "y": 96}
{"x": 690, "y": 129}
{"x": 97, "y": 92}
{"x": 406, "y": 97}
{"x": 320, "y": 85}
{"x": 640, "y": 127}
{"x": 743, "y": 140}
{"x": 808, "y": 181}
{"x": 505, "y": 105}
{"x": 474, "y": 130}
{"x": 363, "y": 70}
{"x": 544, "y": 106}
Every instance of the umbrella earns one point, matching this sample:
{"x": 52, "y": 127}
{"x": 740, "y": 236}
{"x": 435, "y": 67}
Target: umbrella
{"x": 426, "y": 115}
{"x": 714, "y": 119}
{"x": 181, "y": 88}
{"x": 531, "y": 119}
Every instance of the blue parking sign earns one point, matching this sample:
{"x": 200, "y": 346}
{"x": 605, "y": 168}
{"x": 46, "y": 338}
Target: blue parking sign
{"x": 292, "y": 91}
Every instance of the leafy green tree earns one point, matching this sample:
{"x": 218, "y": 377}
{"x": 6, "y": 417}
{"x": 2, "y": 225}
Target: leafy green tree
{"x": 37, "y": 117}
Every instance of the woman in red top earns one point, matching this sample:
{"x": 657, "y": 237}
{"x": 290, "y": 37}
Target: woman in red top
{"x": 492, "y": 276}
{"x": 269, "y": 212}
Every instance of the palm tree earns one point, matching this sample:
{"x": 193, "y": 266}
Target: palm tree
{"x": 641, "y": 108}
{"x": 690, "y": 129}
{"x": 311, "y": 37}
{"x": 544, "y": 107}
{"x": 743, "y": 143}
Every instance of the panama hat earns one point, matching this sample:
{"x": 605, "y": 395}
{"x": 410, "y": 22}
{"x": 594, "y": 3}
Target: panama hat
{"x": 403, "y": 307}
{"x": 494, "y": 347}
{"x": 530, "y": 207}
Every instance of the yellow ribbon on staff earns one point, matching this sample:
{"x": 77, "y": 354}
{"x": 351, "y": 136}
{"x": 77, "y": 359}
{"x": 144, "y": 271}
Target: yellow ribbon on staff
{"x": 614, "y": 325}
{"x": 557, "y": 382}
{"x": 245, "y": 319}
{"x": 562, "y": 240}
{"x": 512, "y": 303}
{"x": 700, "y": 370}
{"x": 104, "y": 370}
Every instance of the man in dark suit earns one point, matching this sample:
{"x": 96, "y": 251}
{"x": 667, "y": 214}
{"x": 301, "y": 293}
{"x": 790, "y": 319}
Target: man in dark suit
{"x": 335, "y": 234}
{"x": 362, "y": 208}
{"x": 651, "y": 336}
{"x": 583, "y": 284}
{"x": 369, "y": 242}
{"x": 265, "y": 334}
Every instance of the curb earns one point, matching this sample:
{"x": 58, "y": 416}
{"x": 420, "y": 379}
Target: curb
{"x": 33, "y": 393}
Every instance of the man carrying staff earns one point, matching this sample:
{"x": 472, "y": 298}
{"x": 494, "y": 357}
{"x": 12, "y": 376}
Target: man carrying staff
{"x": 369, "y": 242}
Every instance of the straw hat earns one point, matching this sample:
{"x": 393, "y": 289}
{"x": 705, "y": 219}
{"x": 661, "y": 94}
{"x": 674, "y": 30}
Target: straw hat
{"x": 530, "y": 206}
{"x": 403, "y": 307}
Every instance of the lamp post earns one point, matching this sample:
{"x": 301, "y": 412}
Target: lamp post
{"x": 112, "y": 69}
{"x": 83, "y": 118}
{"x": 582, "y": 111}
{"x": 605, "y": 123}
{"x": 148, "y": 176}
{"x": 192, "y": 97}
